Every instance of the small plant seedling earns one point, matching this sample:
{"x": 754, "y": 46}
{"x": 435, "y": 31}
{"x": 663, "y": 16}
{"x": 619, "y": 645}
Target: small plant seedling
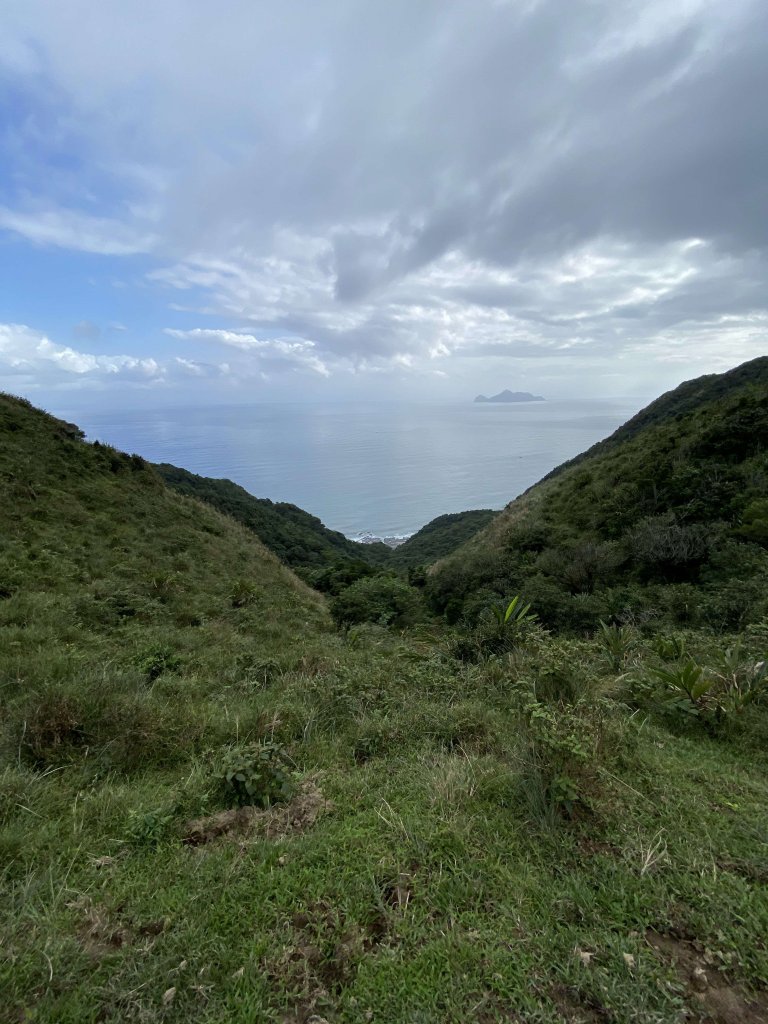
{"x": 257, "y": 775}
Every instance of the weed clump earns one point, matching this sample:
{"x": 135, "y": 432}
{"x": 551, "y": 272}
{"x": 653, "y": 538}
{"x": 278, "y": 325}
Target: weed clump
{"x": 256, "y": 775}
{"x": 154, "y": 661}
{"x": 566, "y": 750}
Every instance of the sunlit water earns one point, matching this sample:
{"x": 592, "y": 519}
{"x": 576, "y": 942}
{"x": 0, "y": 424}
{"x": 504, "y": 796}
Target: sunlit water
{"x": 386, "y": 469}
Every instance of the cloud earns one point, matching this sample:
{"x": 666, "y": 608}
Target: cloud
{"x": 272, "y": 353}
{"x": 69, "y": 229}
{"x": 410, "y": 188}
{"x": 603, "y": 301}
{"x": 29, "y": 357}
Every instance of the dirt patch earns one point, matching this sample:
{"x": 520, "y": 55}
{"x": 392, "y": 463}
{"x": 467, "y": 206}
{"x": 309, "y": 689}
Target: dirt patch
{"x": 96, "y": 933}
{"x": 322, "y": 957}
{"x": 231, "y": 823}
{"x": 592, "y": 847}
{"x": 99, "y": 933}
{"x": 712, "y": 997}
{"x": 491, "y": 1010}
{"x": 276, "y": 822}
{"x": 577, "y": 1008}
{"x": 753, "y": 872}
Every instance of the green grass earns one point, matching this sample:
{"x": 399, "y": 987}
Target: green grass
{"x": 143, "y": 636}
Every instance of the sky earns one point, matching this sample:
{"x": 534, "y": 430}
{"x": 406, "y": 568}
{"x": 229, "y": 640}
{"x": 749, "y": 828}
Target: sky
{"x": 259, "y": 201}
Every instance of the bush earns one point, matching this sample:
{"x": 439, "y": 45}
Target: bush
{"x": 666, "y": 549}
{"x": 504, "y": 627}
{"x": 714, "y": 695}
{"x": 242, "y": 594}
{"x": 154, "y": 661}
{"x": 617, "y": 643}
{"x": 754, "y": 525}
{"x": 148, "y": 828}
{"x": 386, "y": 600}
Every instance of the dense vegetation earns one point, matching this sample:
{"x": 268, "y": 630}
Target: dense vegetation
{"x": 664, "y": 522}
{"x": 295, "y": 536}
{"x": 215, "y": 805}
{"x": 440, "y": 537}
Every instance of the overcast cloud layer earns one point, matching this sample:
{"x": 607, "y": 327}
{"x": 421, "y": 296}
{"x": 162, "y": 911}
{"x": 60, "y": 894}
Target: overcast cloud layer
{"x": 377, "y": 198}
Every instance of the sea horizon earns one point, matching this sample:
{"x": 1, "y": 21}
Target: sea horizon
{"x": 384, "y": 468}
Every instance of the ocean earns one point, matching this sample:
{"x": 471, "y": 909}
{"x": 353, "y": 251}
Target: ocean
{"x": 381, "y": 469}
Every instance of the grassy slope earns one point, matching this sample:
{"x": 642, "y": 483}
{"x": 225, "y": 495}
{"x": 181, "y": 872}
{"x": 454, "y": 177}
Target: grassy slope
{"x": 698, "y": 455}
{"x": 295, "y": 536}
{"x": 429, "y": 891}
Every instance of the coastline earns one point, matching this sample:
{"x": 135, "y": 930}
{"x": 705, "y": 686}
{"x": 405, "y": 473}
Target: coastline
{"x": 371, "y": 538}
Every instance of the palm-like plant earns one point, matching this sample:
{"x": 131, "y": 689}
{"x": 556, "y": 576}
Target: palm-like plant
{"x": 510, "y": 620}
{"x": 617, "y": 643}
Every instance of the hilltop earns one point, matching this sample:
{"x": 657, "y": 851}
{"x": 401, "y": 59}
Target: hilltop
{"x": 215, "y": 805}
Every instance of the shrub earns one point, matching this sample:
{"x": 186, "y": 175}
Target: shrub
{"x": 742, "y": 680}
{"x": 148, "y": 828}
{"x": 342, "y": 574}
{"x": 257, "y": 774}
{"x": 581, "y": 567}
{"x": 154, "y": 661}
{"x": 754, "y": 525}
{"x": 685, "y": 688}
{"x": 242, "y": 594}
{"x": 670, "y": 648}
{"x": 386, "y": 600}
{"x": 667, "y": 549}
{"x": 503, "y": 627}
{"x": 715, "y": 695}
{"x": 565, "y": 751}
{"x": 556, "y": 758}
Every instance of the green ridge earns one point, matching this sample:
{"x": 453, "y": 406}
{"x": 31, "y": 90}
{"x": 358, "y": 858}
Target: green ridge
{"x": 295, "y": 536}
{"x": 667, "y": 518}
{"x": 440, "y": 537}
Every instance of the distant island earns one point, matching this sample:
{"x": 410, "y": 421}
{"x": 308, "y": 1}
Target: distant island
{"x": 511, "y": 396}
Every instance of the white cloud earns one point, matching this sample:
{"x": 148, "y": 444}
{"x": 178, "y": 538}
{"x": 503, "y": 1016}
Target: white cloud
{"x": 278, "y": 353}
{"x": 29, "y": 356}
{"x": 598, "y": 302}
{"x": 408, "y": 188}
{"x": 69, "y": 229}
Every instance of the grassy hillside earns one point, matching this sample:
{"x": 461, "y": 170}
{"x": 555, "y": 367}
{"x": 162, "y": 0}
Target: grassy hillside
{"x": 665, "y": 520}
{"x": 214, "y": 806}
{"x": 295, "y": 536}
{"x": 440, "y": 537}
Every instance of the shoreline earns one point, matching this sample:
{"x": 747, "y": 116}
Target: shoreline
{"x": 392, "y": 541}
